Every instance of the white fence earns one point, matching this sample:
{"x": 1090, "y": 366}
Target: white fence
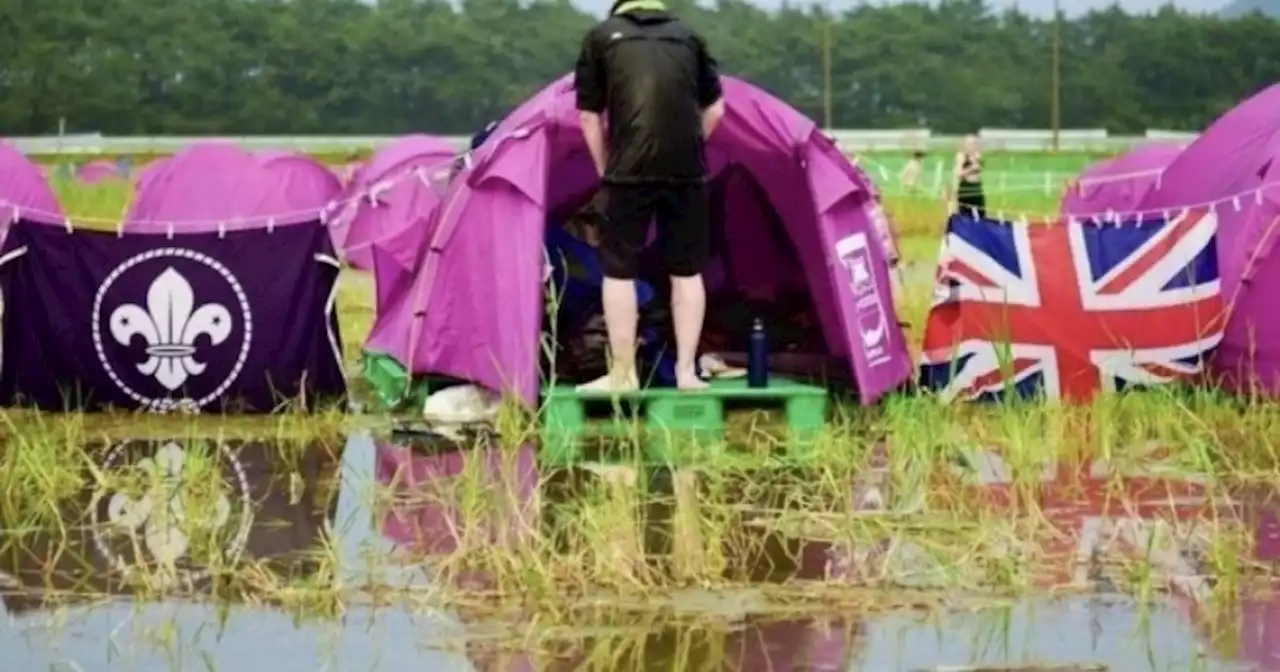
{"x": 993, "y": 139}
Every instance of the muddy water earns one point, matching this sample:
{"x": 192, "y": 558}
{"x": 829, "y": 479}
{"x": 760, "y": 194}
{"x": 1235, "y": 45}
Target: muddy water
{"x": 45, "y": 627}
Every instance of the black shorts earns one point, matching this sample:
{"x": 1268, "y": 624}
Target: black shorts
{"x": 681, "y": 211}
{"x": 971, "y": 200}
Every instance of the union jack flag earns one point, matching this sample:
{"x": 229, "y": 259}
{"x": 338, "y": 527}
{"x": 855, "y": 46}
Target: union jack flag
{"x": 1069, "y": 309}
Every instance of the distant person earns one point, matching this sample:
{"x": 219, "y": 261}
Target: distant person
{"x": 482, "y": 135}
{"x": 909, "y": 179}
{"x": 654, "y": 78}
{"x": 969, "y": 197}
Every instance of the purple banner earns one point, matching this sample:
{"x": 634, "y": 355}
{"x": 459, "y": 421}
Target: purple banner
{"x": 243, "y": 321}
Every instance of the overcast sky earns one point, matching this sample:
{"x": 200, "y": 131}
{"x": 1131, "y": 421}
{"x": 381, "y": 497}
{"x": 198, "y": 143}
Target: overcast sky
{"x": 1044, "y": 7}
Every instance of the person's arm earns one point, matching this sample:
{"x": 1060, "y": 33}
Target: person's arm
{"x": 591, "y": 86}
{"x": 710, "y": 94}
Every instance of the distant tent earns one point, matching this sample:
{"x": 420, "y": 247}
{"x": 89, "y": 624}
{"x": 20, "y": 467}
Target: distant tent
{"x": 399, "y": 201}
{"x": 306, "y": 184}
{"x": 210, "y": 187}
{"x": 802, "y": 219}
{"x": 1120, "y": 183}
{"x": 98, "y": 171}
{"x": 148, "y": 172}
{"x": 1234, "y": 163}
{"x": 23, "y": 189}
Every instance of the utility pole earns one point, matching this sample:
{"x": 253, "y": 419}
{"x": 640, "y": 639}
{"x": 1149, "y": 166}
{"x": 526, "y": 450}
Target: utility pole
{"x": 1056, "y": 95}
{"x": 826, "y": 73}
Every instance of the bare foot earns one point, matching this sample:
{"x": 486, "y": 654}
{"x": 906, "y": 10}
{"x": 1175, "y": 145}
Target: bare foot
{"x": 612, "y": 383}
{"x": 689, "y": 381}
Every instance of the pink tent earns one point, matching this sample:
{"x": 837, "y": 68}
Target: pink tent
{"x": 23, "y": 187}
{"x": 475, "y": 307}
{"x": 401, "y": 201}
{"x": 147, "y": 173}
{"x": 1120, "y": 183}
{"x": 98, "y": 170}
{"x": 1236, "y": 156}
{"x": 211, "y": 187}
{"x": 305, "y": 183}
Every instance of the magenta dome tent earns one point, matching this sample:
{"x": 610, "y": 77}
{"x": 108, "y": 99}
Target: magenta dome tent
{"x": 306, "y": 184}
{"x": 147, "y": 173}
{"x": 210, "y": 297}
{"x": 1235, "y": 165}
{"x": 98, "y": 170}
{"x": 211, "y": 187}
{"x": 24, "y": 190}
{"x": 1119, "y": 184}
{"x": 475, "y": 306}
{"x": 398, "y": 199}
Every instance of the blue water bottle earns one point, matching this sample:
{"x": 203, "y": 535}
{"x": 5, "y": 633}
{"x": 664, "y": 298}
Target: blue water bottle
{"x": 758, "y": 356}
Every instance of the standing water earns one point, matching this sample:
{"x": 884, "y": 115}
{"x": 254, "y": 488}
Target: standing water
{"x": 332, "y": 557}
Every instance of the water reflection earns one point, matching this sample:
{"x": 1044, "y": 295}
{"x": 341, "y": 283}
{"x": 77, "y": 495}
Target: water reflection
{"x": 752, "y": 645}
{"x": 165, "y": 515}
{"x": 252, "y": 535}
{"x": 451, "y": 508}
{"x": 155, "y": 524}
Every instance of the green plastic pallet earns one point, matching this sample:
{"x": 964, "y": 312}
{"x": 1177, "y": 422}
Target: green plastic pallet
{"x": 668, "y": 418}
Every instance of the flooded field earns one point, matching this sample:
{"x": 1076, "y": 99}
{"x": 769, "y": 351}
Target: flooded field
{"x": 378, "y": 552}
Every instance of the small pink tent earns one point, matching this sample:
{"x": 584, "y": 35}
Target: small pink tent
{"x": 211, "y": 187}
{"x": 1120, "y": 183}
{"x": 148, "y": 172}
{"x": 475, "y": 306}
{"x": 98, "y": 170}
{"x": 305, "y": 183}
{"x": 23, "y": 188}
{"x": 397, "y": 191}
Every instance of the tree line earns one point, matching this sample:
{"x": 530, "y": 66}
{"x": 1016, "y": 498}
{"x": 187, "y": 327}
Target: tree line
{"x": 189, "y": 67}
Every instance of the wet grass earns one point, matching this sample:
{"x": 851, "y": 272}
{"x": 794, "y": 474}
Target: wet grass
{"x": 1148, "y": 494}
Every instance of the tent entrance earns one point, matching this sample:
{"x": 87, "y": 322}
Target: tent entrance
{"x": 754, "y": 273}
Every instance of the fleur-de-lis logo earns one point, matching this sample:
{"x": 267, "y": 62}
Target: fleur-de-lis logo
{"x": 170, "y": 325}
{"x": 160, "y": 512}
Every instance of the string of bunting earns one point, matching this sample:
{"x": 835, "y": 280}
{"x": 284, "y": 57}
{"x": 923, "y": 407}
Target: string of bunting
{"x": 1138, "y": 217}
{"x": 425, "y": 174}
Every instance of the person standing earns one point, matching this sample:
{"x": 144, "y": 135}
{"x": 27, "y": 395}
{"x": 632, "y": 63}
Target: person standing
{"x": 655, "y": 81}
{"x": 970, "y": 199}
{"x": 909, "y": 178}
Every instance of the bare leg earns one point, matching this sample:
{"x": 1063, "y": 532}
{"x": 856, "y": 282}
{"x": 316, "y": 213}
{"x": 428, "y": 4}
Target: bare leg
{"x": 621, "y": 314}
{"x": 688, "y": 308}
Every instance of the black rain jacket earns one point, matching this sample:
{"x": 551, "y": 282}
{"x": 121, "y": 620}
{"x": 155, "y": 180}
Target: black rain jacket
{"x": 651, "y": 76}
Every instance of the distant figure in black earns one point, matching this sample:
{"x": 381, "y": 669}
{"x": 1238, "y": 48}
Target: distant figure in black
{"x": 652, "y": 77}
{"x": 970, "y": 199}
